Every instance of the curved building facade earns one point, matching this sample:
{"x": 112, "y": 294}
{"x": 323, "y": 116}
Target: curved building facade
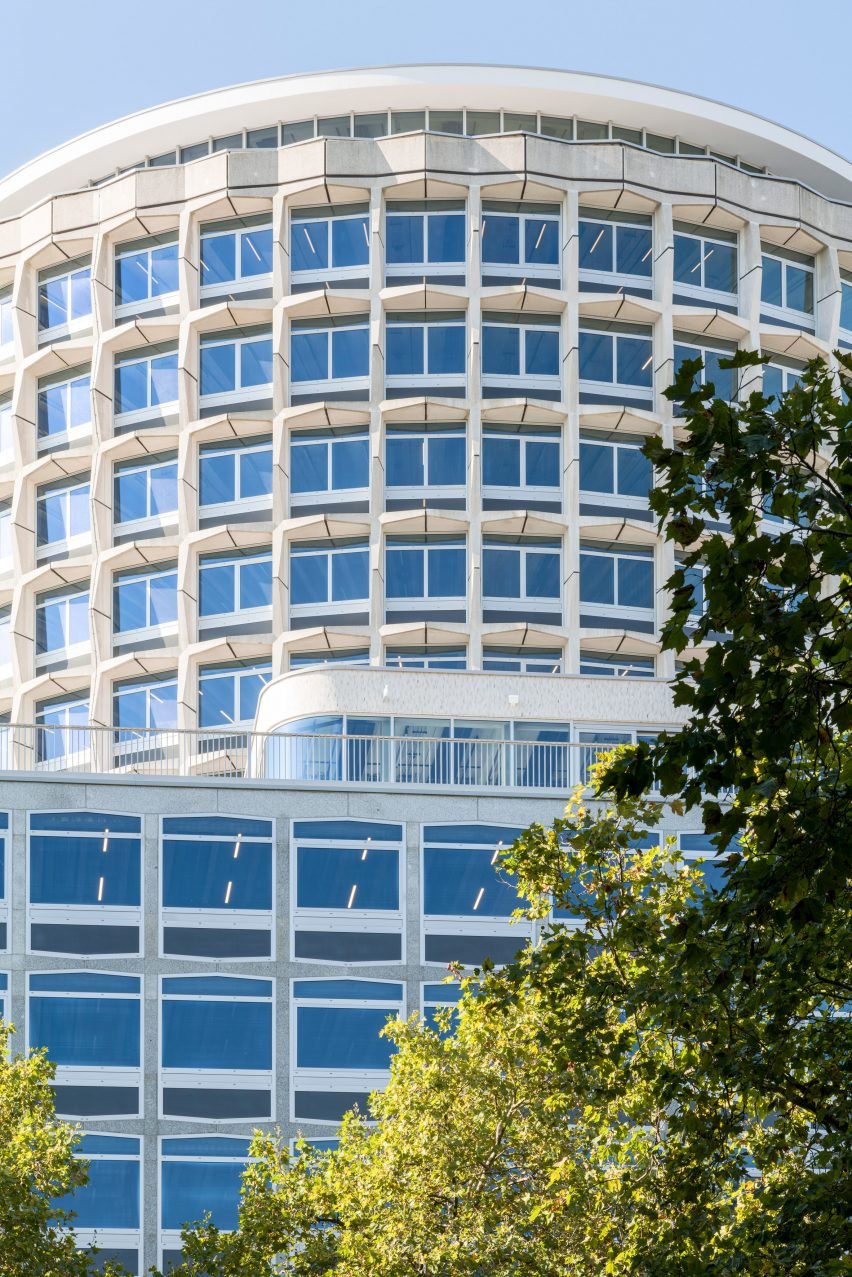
{"x": 326, "y": 560}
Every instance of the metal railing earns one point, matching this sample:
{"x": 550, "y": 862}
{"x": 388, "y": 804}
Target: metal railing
{"x": 279, "y": 757}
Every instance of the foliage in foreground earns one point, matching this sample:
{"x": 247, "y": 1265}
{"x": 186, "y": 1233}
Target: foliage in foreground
{"x": 664, "y": 1089}
{"x": 37, "y": 1166}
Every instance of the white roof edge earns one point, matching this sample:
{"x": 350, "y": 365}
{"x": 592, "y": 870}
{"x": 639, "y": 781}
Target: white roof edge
{"x": 153, "y": 130}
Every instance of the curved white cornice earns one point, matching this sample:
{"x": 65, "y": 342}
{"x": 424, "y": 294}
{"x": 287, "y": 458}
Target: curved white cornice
{"x": 629, "y": 103}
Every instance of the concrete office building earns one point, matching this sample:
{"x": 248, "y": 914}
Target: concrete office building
{"x": 326, "y": 562}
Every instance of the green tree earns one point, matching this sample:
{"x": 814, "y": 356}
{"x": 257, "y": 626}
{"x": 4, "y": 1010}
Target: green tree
{"x": 37, "y": 1166}
{"x": 663, "y": 1085}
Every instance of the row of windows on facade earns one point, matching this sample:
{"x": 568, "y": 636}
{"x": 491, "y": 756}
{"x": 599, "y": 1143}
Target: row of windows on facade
{"x": 331, "y": 359}
{"x": 424, "y": 578}
{"x": 456, "y": 123}
{"x": 429, "y": 241}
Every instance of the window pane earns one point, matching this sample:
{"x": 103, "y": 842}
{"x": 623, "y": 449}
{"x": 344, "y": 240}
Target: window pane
{"x": 687, "y": 260}
{"x": 446, "y": 343}
{"x": 404, "y": 236}
{"x": 256, "y": 362}
{"x": 501, "y": 573}
{"x": 52, "y": 303}
{"x": 256, "y": 584}
{"x": 218, "y": 259}
{"x": 350, "y": 352}
{"x": 209, "y": 1034}
{"x": 216, "y": 700}
{"x": 633, "y": 251}
{"x": 309, "y": 246}
{"x": 542, "y": 463}
{"x": 446, "y": 233}
{"x": 191, "y": 1190}
{"x": 94, "y": 1032}
{"x": 446, "y": 572}
{"x": 720, "y": 267}
{"x": 634, "y": 473}
{"x": 52, "y": 410}
{"x": 595, "y": 356}
{"x": 251, "y": 685}
{"x": 404, "y": 460}
{"x": 350, "y": 464}
{"x": 350, "y": 243}
{"x": 309, "y": 467}
{"x": 164, "y": 270}
{"x": 501, "y": 239}
{"x": 256, "y": 252}
{"x": 501, "y": 350}
{"x": 404, "y": 350}
{"x": 309, "y": 578}
{"x": 256, "y": 473}
{"x": 346, "y": 877}
{"x": 770, "y": 284}
{"x": 163, "y": 706}
{"x": 541, "y": 241}
{"x": 597, "y": 578}
{"x": 405, "y": 573}
{"x": 218, "y": 368}
{"x": 130, "y": 604}
{"x": 216, "y": 589}
{"x": 80, "y": 403}
{"x": 342, "y": 1038}
{"x": 131, "y": 278}
{"x": 501, "y": 462}
{"x": 634, "y": 356}
{"x": 309, "y": 353}
{"x": 800, "y": 289}
{"x": 350, "y": 575}
{"x": 164, "y": 380}
{"x": 542, "y": 353}
{"x": 163, "y": 599}
{"x": 596, "y": 468}
{"x": 446, "y": 460}
{"x": 543, "y": 575}
{"x": 464, "y": 883}
{"x": 217, "y": 474}
{"x": 635, "y": 583}
{"x": 163, "y": 489}
{"x": 80, "y": 510}
{"x": 110, "y": 1199}
{"x": 75, "y": 870}
{"x": 596, "y": 246}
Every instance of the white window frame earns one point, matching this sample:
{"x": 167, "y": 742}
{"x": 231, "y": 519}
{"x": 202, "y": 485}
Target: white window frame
{"x": 150, "y": 522}
{"x": 224, "y": 287}
{"x": 434, "y": 491}
{"x": 428, "y": 380}
{"x": 144, "y": 632}
{"x": 197, "y": 1079}
{"x": 707, "y": 245}
{"x": 622, "y": 666}
{"x": 614, "y": 499}
{"x": 790, "y": 377}
{"x": 239, "y": 393}
{"x": 338, "y": 1079}
{"x": 154, "y": 301}
{"x": 485, "y": 926}
{"x": 616, "y": 609}
{"x": 619, "y": 734}
{"x": 403, "y": 658}
{"x": 71, "y": 434}
{"x": 449, "y": 602}
{"x": 239, "y": 503}
{"x": 112, "y": 1239}
{"x": 141, "y": 738}
{"x": 68, "y": 545}
{"x": 507, "y": 493}
{"x": 493, "y": 653}
{"x": 627, "y": 389}
{"x": 336, "y": 273}
{"x": 524, "y": 599}
{"x": 522, "y": 268}
{"x": 589, "y": 275}
{"x": 199, "y": 918}
{"x": 78, "y": 323}
{"x": 330, "y": 605}
{"x": 529, "y": 381}
{"x": 134, "y": 415}
{"x": 70, "y": 650}
{"x": 785, "y": 312}
{"x": 350, "y": 920}
{"x": 107, "y": 1074}
{"x": 238, "y": 562}
{"x": 66, "y": 761}
{"x": 330, "y": 494}
{"x": 424, "y": 267}
{"x": 87, "y": 915}
{"x": 328, "y": 382}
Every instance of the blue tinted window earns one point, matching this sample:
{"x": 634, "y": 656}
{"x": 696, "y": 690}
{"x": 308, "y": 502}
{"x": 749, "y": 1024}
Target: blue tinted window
{"x": 463, "y": 882}
{"x": 342, "y": 1037}
{"x": 329, "y": 465}
{"x": 64, "y": 406}
{"x": 501, "y": 239}
{"x": 541, "y": 353}
{"x": 501, "y": 350}
{"x": 216, "y": 1034}
{"x": 405, "y": 238}
{"x": 347, "y": 878}
{"x": 193, "y": 1189}
{"x": 64, "y": 298}
{"x": 209, "y": 874}
{"x": 111, "y": 1197}
{"x": 97, "y": 1032}
{"x": 846, "y": 306}
{"x": 723, "y": 379}
{"x": 541, "y": 240}
{"x": 75, "y": 869}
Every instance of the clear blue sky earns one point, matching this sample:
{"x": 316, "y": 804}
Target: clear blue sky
{"x": 788, "y": 61}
